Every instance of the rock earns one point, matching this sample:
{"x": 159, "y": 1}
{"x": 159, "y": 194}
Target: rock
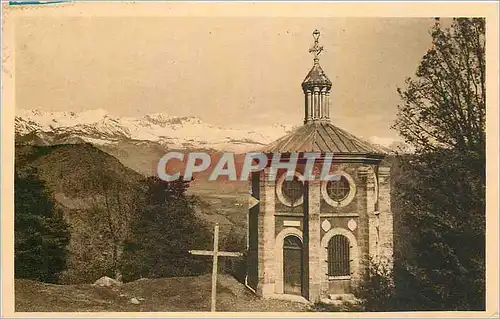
{"x": 134, "y": 301}
{"x": 106, "y": 282}
{"x": 141, "y": 299}
{"x": 119, "y": 278}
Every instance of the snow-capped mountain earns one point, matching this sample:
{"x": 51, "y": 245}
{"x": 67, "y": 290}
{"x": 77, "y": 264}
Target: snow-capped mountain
{"x": 101, "y": 128}
{"x": 140, "y": 142}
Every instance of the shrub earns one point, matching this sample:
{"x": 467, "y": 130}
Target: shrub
{"x": 377, "y": 290}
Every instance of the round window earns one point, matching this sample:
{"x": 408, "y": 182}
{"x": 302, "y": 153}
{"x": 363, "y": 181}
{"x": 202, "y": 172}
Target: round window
{"x": 293, "y": 190}
{"x": 290, "y": 193}
{"x": 338, "y": 190}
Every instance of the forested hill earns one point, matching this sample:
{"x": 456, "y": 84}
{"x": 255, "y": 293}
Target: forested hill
{"x": 79, "y": 178}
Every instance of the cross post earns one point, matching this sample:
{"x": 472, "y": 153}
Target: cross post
{"x": 215, "y": 253}
{"x": 214, "y": 267}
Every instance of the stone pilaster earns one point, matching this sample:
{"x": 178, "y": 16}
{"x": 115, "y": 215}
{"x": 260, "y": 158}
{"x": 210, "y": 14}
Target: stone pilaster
{"x": 314, "y": 240}
{"x": 385, "y": 216}
{"x": 373, "y": 215}
{"x": 267, "y": 260}
{"x": 365, "y": 192}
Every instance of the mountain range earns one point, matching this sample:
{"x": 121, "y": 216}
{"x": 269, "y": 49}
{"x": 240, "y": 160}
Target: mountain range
{"x": 174, "y": 132}
{"x": 138, "y": 142}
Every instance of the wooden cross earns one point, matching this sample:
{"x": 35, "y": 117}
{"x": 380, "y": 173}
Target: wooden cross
{"x": 216, "y": 253}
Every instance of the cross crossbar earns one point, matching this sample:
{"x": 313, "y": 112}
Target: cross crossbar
{"x": 211, "y": 253}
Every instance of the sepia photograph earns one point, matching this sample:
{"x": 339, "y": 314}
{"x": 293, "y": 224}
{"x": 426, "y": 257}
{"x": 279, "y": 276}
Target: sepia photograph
{"x": 251, "y": 157}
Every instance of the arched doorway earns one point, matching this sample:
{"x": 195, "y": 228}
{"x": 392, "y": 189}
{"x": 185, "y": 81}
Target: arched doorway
{"x": 292, "y": 265}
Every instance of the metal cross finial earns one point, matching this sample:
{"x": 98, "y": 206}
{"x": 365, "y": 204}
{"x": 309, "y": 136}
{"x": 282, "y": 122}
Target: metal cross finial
{"x": 316, "y": 48}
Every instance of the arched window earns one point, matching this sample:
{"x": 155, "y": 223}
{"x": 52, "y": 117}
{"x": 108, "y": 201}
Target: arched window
{"x": 338, "y": 256}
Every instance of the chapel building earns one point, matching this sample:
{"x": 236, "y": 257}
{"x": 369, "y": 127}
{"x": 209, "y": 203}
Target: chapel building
{"x": 314, "y": 239}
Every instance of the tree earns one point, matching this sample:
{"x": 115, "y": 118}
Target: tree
{"x": 442, "y": 187}
{"x": 445, "y": 103}
{"x": 166, "y": 229}
{"x": 114, "y": 208}
{"x": 41, "y": 234}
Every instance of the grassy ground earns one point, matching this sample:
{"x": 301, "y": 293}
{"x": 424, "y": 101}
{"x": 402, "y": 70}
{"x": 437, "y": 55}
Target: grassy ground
{"x": 165, "y": 294}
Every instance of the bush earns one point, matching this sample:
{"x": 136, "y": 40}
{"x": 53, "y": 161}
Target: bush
{"x": 377, "y": 289}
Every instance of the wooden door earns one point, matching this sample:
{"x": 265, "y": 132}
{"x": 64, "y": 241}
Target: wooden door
{"x": 292, "y": 265}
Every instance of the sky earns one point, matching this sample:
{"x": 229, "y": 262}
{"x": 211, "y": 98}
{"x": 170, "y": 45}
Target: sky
{"x": 228, "y": 71}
